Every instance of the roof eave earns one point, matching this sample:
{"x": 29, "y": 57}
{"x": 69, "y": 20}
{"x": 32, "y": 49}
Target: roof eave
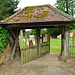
{"x": 36, "y": 24}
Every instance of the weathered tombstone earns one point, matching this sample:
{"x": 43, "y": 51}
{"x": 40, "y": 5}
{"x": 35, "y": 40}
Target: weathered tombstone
{"x": 31, "y": 40}
{"x": 71, "y": 35}
{"x": 30, "y": 43}
{"x": 60, "y": 36}
{"x": 45, "y": 38}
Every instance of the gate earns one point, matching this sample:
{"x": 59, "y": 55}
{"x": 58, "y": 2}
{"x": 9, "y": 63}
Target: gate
{"x": 29, "y": 52}
{"x": 70, "y": 44}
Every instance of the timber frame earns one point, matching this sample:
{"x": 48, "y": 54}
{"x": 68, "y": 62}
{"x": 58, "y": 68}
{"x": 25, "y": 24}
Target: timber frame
{"x": 52, "y": 18}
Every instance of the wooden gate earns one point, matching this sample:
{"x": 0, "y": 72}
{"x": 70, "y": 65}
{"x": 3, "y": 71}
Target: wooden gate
{"x": 70, "y": 45}
{"x": 30, "y": 52}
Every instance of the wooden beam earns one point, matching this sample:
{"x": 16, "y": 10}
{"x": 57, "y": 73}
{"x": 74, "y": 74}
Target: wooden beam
{"x": 63, "y": 43}
{"x": 38, "y": 42}
{"x": 37, "y": 24}
{"x": 41, "y": 23}
{"x": 67, "y": 43}
{"x": 31, "y": 26}
{"x": 49, "y": 43}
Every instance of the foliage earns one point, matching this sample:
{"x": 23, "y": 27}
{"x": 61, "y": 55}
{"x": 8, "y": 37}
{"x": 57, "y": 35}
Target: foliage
{"x": 7, "y": 8}
{"x": 67, "y": 6}
{"x": 43, "y": 31}
{"x": 71, "y": 27}
{"x": 4, "y": 38}
{"x": 24, "y": 32}
{"x": 33, "y": 32}
{"x": 54, "y": 32}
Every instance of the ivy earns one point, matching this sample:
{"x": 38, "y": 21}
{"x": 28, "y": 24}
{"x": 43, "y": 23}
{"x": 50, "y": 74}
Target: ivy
{"x": 4, "y": 39}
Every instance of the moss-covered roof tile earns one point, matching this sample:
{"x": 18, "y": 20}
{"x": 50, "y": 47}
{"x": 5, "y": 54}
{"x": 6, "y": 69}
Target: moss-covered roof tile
{"x": 37, "y": 14}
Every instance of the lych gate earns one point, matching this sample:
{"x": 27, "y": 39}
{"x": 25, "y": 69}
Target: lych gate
{"x": 37, "y": 17}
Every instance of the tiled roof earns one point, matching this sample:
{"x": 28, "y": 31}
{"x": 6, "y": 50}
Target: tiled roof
{"x": 41, "y": 13}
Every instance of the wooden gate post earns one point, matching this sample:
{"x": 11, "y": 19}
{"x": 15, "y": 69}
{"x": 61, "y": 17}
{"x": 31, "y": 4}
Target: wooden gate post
{"x": 63, "y": 43}
{"x": 49, "y": 43}
{"x": 21, "y": 39}
{"x": 38, "y": 42}
{"x": 26, "y": 39}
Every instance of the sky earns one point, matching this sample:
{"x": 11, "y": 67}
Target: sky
{"x": 24, "y": 3}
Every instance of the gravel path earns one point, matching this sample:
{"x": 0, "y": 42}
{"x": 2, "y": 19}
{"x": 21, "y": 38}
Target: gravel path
{"x": 49, "y": 64}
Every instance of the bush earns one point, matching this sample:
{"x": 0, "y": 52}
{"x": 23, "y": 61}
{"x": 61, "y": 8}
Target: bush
{"x": 4, "y": 39}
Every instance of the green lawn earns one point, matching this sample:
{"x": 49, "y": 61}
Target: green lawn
{"x": 55, "y": 45}
{"x": 71, "y": 42}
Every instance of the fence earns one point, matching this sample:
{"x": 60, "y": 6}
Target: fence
{"x": 30, "y": 53}
{"x": 70, "y": 45}
{"x": 44, "y": 48}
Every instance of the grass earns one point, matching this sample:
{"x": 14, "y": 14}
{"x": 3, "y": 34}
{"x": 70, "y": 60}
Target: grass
{"x": 55, "y": 45}
{"x": 71, "y": 42}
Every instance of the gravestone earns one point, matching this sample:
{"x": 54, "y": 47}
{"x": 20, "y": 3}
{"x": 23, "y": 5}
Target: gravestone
{"x": 31, "y": 40}
{"x": 45, "y": 38}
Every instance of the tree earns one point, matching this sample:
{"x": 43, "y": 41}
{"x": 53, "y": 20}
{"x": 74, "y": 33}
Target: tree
{"x": 43, "y": 31}
{"x": 7, "y": 8}
{"x": 54, "y": 32}
{"x": 67, "y": 6}
{"x": 33, "y": 32}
